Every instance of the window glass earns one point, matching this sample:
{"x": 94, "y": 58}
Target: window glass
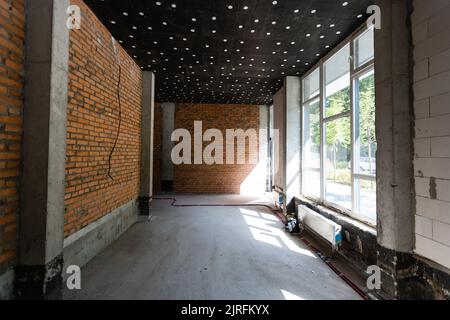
{"x": 311, "y": 85}
{"x": 337, "y": 77}
{"x": 311, "y": 148}
{"x": 365, "y": 135}
{"x": 364, "y": 48}
{"x": 338, "y": 162}
{"x": 311, "y": 136}
{"x": 311, "y": 183}
{"x": 366, "y": 199}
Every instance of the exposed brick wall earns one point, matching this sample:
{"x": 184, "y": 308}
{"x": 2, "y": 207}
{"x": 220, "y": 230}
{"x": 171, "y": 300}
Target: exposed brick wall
{"x": 214, "y": 178}
{"x": 12, "y": 29}
{"x": 431, "y": 36}
{"x": 157, "y": 148}
{"x": 93, "y": 123}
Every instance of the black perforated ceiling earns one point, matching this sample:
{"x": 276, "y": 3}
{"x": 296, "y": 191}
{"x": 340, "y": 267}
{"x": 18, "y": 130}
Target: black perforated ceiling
{"x": 227, "y": 51}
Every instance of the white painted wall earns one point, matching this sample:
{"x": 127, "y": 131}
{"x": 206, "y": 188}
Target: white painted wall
{"x": 431, "y": 37}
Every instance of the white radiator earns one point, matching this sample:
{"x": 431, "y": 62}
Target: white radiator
{"x": 324, "y": 227}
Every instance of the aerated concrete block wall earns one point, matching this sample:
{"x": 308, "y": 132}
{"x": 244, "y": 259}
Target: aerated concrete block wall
{"x": 431, "y": 38}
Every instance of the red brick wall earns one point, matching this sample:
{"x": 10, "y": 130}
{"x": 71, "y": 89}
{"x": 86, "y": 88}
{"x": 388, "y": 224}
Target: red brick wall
{"x": 12, "y": 29}
{"x": 93, "y": 122}
{"x": 214, "y": 178}
{"x": 157, "y": 149}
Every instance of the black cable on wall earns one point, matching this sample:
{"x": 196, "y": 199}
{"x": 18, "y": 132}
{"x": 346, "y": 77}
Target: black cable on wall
{"x": 120, "y": 116}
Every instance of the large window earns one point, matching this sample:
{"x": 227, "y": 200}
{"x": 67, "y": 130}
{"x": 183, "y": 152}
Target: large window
{"x": 338, "y": 117}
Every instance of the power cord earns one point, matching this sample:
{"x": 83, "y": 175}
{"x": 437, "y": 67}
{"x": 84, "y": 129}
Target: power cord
{"x": 120, "y": 114}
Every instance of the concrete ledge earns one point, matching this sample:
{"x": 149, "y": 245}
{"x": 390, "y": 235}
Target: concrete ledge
{"x": 6, "y": 285}
{"x": 359, "y": 241}
{"x": 85, "y": 244}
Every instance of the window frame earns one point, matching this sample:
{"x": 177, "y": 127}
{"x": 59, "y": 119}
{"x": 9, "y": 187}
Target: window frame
{"x": 355, "y": 73}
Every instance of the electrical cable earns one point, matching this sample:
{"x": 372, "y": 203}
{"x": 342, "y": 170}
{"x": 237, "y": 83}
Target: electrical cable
{"x": 120, "y": 115}
{"x": 174, "y": 200}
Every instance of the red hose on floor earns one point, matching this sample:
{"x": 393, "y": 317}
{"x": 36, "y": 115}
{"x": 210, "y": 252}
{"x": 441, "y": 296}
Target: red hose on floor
{"x": 280, "y": 216}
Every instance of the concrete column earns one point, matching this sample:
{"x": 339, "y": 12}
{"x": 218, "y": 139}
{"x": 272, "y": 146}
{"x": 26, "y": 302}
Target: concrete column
{"x": 292, "y": 165}
{"x": 264, "y": 126}
{"x": 394, "y": 134}
{"x": 167, "y": 175}
{"x": 279, "y": 139}
{"x": 147, "y": 137}
{"x": 41, "y": 232}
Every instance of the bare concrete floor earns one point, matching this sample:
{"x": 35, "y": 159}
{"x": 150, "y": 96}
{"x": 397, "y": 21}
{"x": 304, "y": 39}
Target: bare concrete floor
{"x": 209, "y": 253}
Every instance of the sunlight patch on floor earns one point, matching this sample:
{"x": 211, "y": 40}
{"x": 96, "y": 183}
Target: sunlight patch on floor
{"x": 266, "y": 228}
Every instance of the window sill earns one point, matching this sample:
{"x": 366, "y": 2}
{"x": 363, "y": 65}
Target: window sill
{"x": 338, "y": 216}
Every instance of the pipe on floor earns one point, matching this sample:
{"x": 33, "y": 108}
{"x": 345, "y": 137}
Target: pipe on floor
{"x": 280, "y": 216}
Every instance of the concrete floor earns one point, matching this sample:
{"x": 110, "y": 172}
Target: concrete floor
{"x": 209, "y": 253}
